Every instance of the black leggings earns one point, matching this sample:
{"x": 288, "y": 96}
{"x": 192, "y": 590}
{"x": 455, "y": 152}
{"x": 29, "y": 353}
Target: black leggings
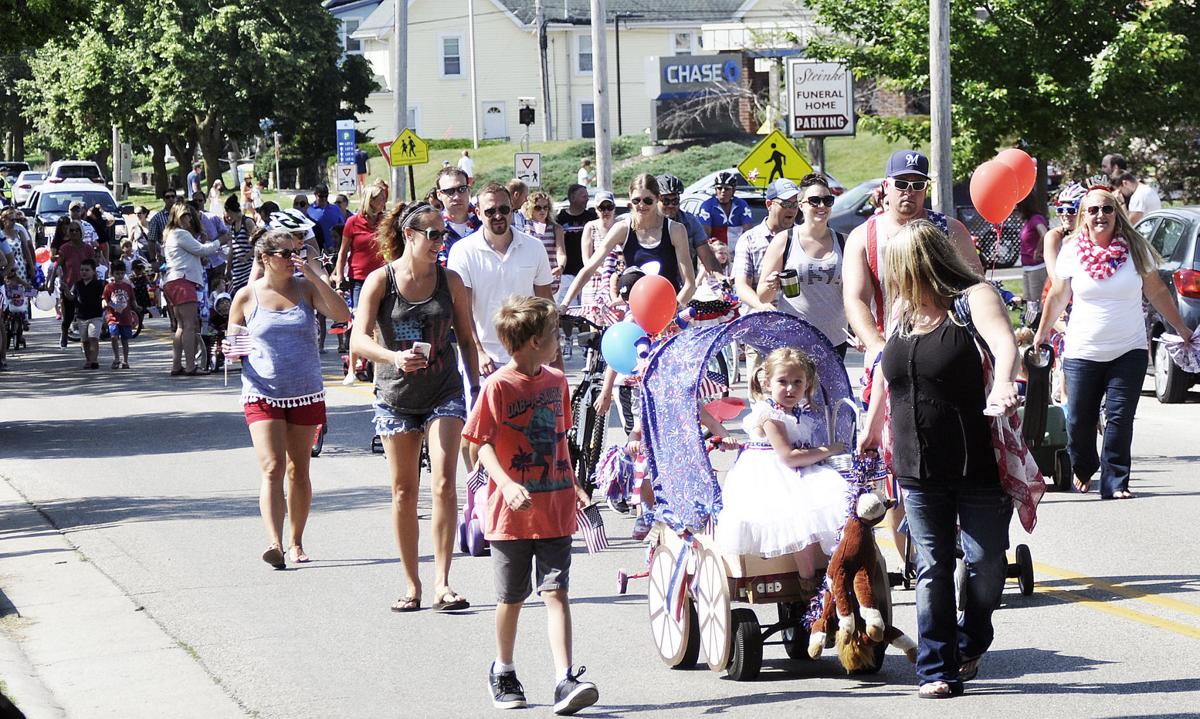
{"x": 68, "y": 313}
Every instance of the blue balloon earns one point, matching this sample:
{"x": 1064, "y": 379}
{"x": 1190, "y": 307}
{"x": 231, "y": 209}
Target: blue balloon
{"x": 619, "y": 346}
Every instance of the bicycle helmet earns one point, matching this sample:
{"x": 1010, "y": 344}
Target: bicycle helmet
{"x": 669, "y": 185}
{"x": 1072, "y": 195}
{"x": 725, "y": 178}
{"x": 627, "y": 280}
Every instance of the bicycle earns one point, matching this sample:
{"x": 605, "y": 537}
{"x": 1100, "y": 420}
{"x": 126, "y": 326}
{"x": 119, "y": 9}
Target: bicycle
{"x": 585, "y": 436}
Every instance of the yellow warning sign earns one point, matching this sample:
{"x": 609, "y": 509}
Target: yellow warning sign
{"x": 408, "y": 149}
{"x": 772, "y": 158}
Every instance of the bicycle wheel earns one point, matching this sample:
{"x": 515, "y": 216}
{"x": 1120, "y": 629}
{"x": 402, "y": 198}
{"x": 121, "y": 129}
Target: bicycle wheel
{"x": 574, "y": 432}
{"x": 592, "y": 449}
{"x": 137, "y": 328}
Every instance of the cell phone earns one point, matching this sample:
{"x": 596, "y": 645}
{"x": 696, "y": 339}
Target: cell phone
{"x": 422, "y": 348}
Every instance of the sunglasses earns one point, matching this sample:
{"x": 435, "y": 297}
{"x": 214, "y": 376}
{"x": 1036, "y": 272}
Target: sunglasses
{"x": 502, "y": 209}
{"x": 284, "y": 253}
{"x": 435, "y": 235}
{"x": 1097, "y": 209}
{"x": 913, "y": 185}
{"x": 541, "y": 207}
{"x": 1067, "y": 210}
{"x": 669, "y": 200}
{"x": 606, "y": 207}
{"x": 787, "y": 204}
{"x": 647, "y": 200}
{"x": 818, "y": 200}
{"x": 451, "y": 191}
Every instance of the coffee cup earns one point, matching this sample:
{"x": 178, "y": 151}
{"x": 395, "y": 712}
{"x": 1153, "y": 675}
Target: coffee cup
{"x": 789, "y": 281}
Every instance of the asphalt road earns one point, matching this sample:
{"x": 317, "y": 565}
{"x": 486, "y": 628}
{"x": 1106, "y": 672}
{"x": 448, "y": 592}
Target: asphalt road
{"x": 153, "y": 480}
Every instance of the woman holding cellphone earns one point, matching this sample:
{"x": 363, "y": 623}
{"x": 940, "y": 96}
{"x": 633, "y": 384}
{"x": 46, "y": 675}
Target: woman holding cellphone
{"x": 403, "y": 324}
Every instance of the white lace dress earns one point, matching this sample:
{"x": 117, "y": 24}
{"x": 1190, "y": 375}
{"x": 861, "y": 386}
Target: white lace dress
{"x": 770, "y": 509}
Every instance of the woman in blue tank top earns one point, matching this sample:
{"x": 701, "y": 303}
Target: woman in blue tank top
{"x": 283, "y": 393}
{"x": 648, "y": 240}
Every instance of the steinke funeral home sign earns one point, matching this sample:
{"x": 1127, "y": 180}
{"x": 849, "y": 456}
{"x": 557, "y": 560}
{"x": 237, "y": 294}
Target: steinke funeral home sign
{"x": 820, "y": 98}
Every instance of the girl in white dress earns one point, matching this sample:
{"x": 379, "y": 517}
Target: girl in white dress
{"x": 777, "y": 499}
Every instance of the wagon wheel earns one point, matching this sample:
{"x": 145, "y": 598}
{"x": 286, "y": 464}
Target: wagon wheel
{"x": 670, "y": 635}
{"x": 713, "y": 609}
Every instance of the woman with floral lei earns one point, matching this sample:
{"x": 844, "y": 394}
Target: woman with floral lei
{"x": 777, "y": 500}
{"x": 1106, "y": 268}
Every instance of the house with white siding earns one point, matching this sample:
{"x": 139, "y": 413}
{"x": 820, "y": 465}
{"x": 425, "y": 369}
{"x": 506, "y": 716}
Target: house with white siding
{"x": 507, "y": 63}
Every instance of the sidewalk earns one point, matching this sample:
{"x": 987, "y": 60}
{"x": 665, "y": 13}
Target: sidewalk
{"x": 72, "y": 644}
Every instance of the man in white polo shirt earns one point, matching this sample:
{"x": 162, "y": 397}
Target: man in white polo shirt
{"x": 494, "y": 262}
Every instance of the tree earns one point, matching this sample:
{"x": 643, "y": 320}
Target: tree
{"x": 1035, "y": 72}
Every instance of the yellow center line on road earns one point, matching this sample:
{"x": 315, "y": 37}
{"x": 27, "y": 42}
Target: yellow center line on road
{"x": 1103, "y": 605}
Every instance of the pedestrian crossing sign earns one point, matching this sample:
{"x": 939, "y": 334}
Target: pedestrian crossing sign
{"x": 772, "y": 158}
{"x": 408, "y": 149}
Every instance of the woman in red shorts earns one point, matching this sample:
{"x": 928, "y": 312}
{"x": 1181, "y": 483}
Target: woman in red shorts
{"x": 283, "y": 393}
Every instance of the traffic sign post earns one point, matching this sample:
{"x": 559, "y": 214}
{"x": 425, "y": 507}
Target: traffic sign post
{"x": 408, "y": 149}
{"x": 820, "y": 98}
{"x": 772, "y": 158}
{"x": 345, "y": 142}
{"x": 345, "y": 179}
{"x": 527, "y": 167}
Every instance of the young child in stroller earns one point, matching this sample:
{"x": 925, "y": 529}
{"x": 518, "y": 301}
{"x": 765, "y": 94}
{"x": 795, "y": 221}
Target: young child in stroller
{"x": 777, "y": 499}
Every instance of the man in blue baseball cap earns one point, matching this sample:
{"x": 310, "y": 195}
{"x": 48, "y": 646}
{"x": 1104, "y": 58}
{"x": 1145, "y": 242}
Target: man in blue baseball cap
{"x": 905, "y": 187}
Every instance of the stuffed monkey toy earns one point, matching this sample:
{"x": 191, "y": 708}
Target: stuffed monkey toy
{"x": 851, "y": 596}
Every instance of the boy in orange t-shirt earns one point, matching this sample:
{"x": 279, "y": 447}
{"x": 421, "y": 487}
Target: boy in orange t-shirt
{"x": 520, "y": 424}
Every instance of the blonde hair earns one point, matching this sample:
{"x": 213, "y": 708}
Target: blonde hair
{"x": 520, "y": 319}
{"x": 1145, "y": 258}
{"x": 532, "y": 200}
{"x": 781, "y": 359}
{"x": 920, "y": 264}
{"x": 178, "y": 210}
{"x": 370, "y": 192}
{"x": 1024, "y": 336}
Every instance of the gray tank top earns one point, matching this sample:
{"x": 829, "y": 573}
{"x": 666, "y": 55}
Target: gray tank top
{"x": 283, "y": 366}
{"x": 820, "y": 300}
{"x": 400, "y": 322}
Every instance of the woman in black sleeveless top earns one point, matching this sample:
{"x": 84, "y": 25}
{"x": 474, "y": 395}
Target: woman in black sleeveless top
{"x": 403, "y": 324}
{"x": 942, "y": 446}
{"x": 647, "y": 240}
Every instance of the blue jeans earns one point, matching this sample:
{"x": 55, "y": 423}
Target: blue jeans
{"x": 1118, "y": 383}
{"x": 982, "y": 514}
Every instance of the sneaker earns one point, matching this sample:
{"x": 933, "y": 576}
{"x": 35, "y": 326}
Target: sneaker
{"x": 571, "y": 695}
{"x": 507, "y": 692}
{"x": 619, "y": 506}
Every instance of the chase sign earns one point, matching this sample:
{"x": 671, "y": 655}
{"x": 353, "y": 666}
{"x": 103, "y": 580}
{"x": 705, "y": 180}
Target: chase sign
{"x": 684, "y": 76}
{"x": 690, "y": 73}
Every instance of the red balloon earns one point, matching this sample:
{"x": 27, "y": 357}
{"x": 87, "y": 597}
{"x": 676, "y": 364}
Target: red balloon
{"x": 652, "y": 301}
{"x": 994, "y": 191}
{"x": 1025, "y": 167}
{"x": 42, "y": 255}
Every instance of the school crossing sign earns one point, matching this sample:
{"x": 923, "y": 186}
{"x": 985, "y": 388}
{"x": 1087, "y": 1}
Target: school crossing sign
{"x": 771, "y": 159}
{"x": 408, "y": 149}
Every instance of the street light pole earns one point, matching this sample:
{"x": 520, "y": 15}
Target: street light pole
{"x": 939, "y": 105}
{"x": 474, "y": 93}
{"x": 400, "y": 86}
{"x": 600, "y": 94}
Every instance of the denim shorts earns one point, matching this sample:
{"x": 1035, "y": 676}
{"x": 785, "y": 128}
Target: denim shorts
{"x": 388, "y": 421}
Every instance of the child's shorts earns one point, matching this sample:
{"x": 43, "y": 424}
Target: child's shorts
{"x": 389, "y": 421}
{"x": 115, "y": 330}
{"x": 511, "y": 560}
{"x": 90, "y": 329}
{"x": 308, "y": 414}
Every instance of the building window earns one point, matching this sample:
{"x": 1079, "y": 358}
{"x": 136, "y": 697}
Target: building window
{"x": 683, "y": 43}
{"x": 587, "y": 120}
{"x": 452, "y": 60}
{"x": 583, "y": 54}
{"x": 352, "y": 46}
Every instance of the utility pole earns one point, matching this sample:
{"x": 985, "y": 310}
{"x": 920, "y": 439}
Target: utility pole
{"x": 539, "y": 18}
{"x": 278, "y": 178}
{"x": 600, "y": 93}
{"x": 400, "y": 85}
{"x": 118, "y": 188}
{"x": 939, "y": 105}
{"x": 474, "y": 95}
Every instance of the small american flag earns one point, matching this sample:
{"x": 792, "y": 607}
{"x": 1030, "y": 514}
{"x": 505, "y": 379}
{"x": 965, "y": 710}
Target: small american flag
{"x": 477, "y": 479}
{"x": 712, "y": 386}
{"x": 591, "y": 524}
{"x": 237, "y": 346}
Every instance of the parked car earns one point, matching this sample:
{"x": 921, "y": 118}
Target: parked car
{"x": 24, "y": 185}
{"x": 1175, "y": 234}
{"x": 75, "y": 171}
{"x": 48, "y": 202}
{"x": 15, "y": 168}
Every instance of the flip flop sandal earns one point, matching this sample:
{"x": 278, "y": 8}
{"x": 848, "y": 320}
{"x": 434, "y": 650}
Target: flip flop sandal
{"x": 274, "y": 557}
{"x": 1082, "y": 486}
{"x": 298, "y": 555}
{"x": 407, "y": 604}
{"x": 1124, "y": 494}
{"x": 456, "y": 603}
{"x": 968, "y": 668}
{"x": 938, "y": 690}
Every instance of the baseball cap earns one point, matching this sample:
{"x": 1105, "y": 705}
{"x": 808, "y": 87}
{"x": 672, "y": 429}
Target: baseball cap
{"x": 603, "y": 195}
{"x": 907, "y": 162}
{"x": 782, "y": 189}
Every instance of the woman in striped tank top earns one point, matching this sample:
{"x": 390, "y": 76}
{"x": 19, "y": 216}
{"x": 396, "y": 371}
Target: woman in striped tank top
{"x": 542, "y": 226}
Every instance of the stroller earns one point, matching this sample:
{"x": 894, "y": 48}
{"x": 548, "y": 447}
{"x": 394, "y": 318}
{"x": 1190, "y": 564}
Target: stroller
{"x": 692, "y": 584}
